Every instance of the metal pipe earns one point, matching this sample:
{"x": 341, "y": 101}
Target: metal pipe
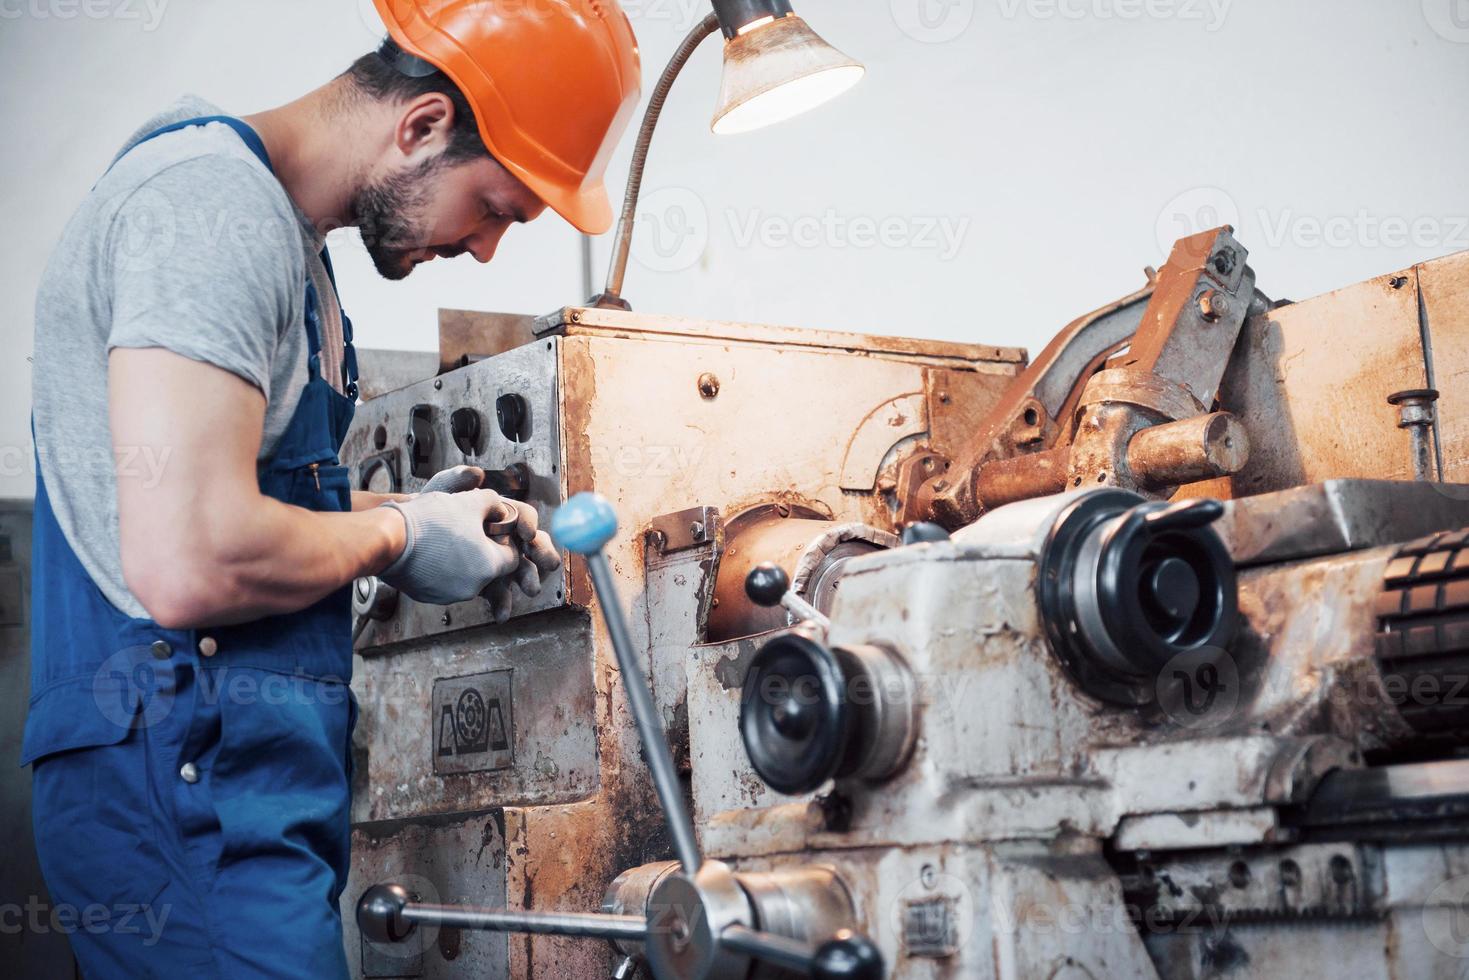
{"x": 1204, "y": 447}
{"x": 781, "y": 951}
{"x": 631, "y": 928}
{"x": 611, "y": 296}
{"x": 655, "y": 743}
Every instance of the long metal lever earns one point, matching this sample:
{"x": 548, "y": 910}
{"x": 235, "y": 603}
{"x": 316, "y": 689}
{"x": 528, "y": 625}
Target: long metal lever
{"x": 388, "y": 914}
{"x": 584, "y": 525}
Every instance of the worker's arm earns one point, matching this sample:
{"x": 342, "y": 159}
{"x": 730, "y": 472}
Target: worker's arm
{"x": 201, "y": 545}
{"x": 367, "y": 500}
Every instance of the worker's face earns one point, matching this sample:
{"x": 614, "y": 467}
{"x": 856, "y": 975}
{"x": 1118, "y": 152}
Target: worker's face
{"x": 421, "y": 208}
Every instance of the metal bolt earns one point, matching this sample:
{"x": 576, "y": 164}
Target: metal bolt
{"x": 576, "y": 316}
{"x": 928, "y": 875}
{"x": 1224, "y": 261}
{"x": 696, "y": 530}
{"x": 438, "y": 384}
{"x": 161, "y": 649}
{"x": 657, "y": 539}
{"x": 708, "y": 385}
{"x": 1415, "y": 413}
{"x": 189, "y": 773}
{"x": 445, "y": 619}
{"x": 1213, "y": 305}
{"x": 943, "y": 398}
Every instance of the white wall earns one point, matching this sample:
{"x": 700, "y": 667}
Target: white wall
{"x": 1006, "y": 165}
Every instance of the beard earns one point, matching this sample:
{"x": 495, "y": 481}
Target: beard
{"x": 389, "y": 214}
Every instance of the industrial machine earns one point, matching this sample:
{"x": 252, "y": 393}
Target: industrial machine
{"x": 1146, "y": 658}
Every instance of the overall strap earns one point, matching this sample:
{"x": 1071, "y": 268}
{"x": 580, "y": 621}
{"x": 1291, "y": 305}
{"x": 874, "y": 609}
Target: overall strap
{"x": 248, "y": 136}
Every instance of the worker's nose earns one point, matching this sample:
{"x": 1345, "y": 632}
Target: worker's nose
{"x": 482, "y": 244}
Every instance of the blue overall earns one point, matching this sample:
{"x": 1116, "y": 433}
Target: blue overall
{"x": 191, "y": 787}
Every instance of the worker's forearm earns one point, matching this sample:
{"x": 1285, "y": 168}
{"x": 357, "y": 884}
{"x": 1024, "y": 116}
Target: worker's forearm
{"x": 270, "y": 558}
{"x": 366, "y": 499}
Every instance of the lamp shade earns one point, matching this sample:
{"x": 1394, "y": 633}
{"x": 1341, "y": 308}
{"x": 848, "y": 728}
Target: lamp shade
{"x": 777, "y": 69}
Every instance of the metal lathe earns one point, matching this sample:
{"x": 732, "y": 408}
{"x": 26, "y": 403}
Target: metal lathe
{"x": 1146, "y": 657}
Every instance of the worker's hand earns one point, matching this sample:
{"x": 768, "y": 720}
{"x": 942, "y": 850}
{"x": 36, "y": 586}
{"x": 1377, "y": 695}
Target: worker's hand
{"x": 447, "y": 556}
{"x": 455, "y": 480}
{"x": 538, "y": 558}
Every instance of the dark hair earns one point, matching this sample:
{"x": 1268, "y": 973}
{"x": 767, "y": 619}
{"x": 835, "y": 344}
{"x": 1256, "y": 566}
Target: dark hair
{"x": 377, "y": 76}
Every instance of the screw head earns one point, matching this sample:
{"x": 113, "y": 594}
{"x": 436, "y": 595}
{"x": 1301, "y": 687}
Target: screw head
{"x": 1213, "y": 305}
{"x": 708, "y": 385}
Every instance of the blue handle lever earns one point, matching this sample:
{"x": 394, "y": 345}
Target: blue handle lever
{"x": 583, "y": 525}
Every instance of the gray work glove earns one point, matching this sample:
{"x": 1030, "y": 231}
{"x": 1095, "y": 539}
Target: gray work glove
{"x": 448, "y": 557}
{"x": 538, "y": 558}
{"x": 455, "y": 480}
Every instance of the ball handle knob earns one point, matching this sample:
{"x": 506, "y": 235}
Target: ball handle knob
{"x": 767, "y": 584}
{"x": 584, "y": 524}
{"x": 380, "y": 914}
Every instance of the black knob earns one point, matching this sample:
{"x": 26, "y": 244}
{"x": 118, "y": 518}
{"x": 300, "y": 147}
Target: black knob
{"x": 794, "y": 715}
{"x": 767, "y": 584}
{"x": 1128, "y": 584}
{"x": 380, "y": 914}
{"x": 920, "y": 532}
{"x": 847, "y": 956}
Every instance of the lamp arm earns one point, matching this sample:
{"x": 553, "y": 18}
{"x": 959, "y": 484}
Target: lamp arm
{"x": 611, "y": 295}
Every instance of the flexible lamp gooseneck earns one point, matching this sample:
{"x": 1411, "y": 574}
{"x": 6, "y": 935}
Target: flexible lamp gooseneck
{"x": 775, "y": 67}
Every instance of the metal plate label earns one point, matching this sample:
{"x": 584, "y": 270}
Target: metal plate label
{"x": 930, "y": 929}
{"x": 473, "y": 727}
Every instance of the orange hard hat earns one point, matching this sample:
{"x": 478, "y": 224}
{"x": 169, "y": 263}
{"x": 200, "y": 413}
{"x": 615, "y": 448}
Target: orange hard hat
{"x": 553, "y": 85}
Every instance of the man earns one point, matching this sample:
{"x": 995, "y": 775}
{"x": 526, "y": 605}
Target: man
{"x": 190, "y": 722}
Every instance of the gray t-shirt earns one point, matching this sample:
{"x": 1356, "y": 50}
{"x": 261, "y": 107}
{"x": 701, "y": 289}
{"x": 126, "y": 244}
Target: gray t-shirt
{"x": 190, "y": 244}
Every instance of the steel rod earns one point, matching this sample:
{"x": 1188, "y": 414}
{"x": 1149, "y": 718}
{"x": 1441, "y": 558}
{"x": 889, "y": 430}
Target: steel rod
{"x": 778, "y": 951}
{"x": 655, "y": 743}
{"x": 580, "y": 924}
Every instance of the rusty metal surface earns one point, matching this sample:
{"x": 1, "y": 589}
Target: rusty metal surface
{"x": 1310, "y": 381}
{"x": 1035, "y": 399}
{"x": 1200, "y": 448}
{"x": 1180, "y": 338}
{"x": 462, "y": 861}
{"x": 1337, "y": 516}
{"x": 956, "y": 402}
{"x": 1172, "y": 369}
{"x": 466, "y": 336}
{"x": 575, "y": 321}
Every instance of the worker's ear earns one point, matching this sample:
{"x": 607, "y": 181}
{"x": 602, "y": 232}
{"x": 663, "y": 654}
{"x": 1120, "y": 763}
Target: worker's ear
{"x": 424, "y": 126}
